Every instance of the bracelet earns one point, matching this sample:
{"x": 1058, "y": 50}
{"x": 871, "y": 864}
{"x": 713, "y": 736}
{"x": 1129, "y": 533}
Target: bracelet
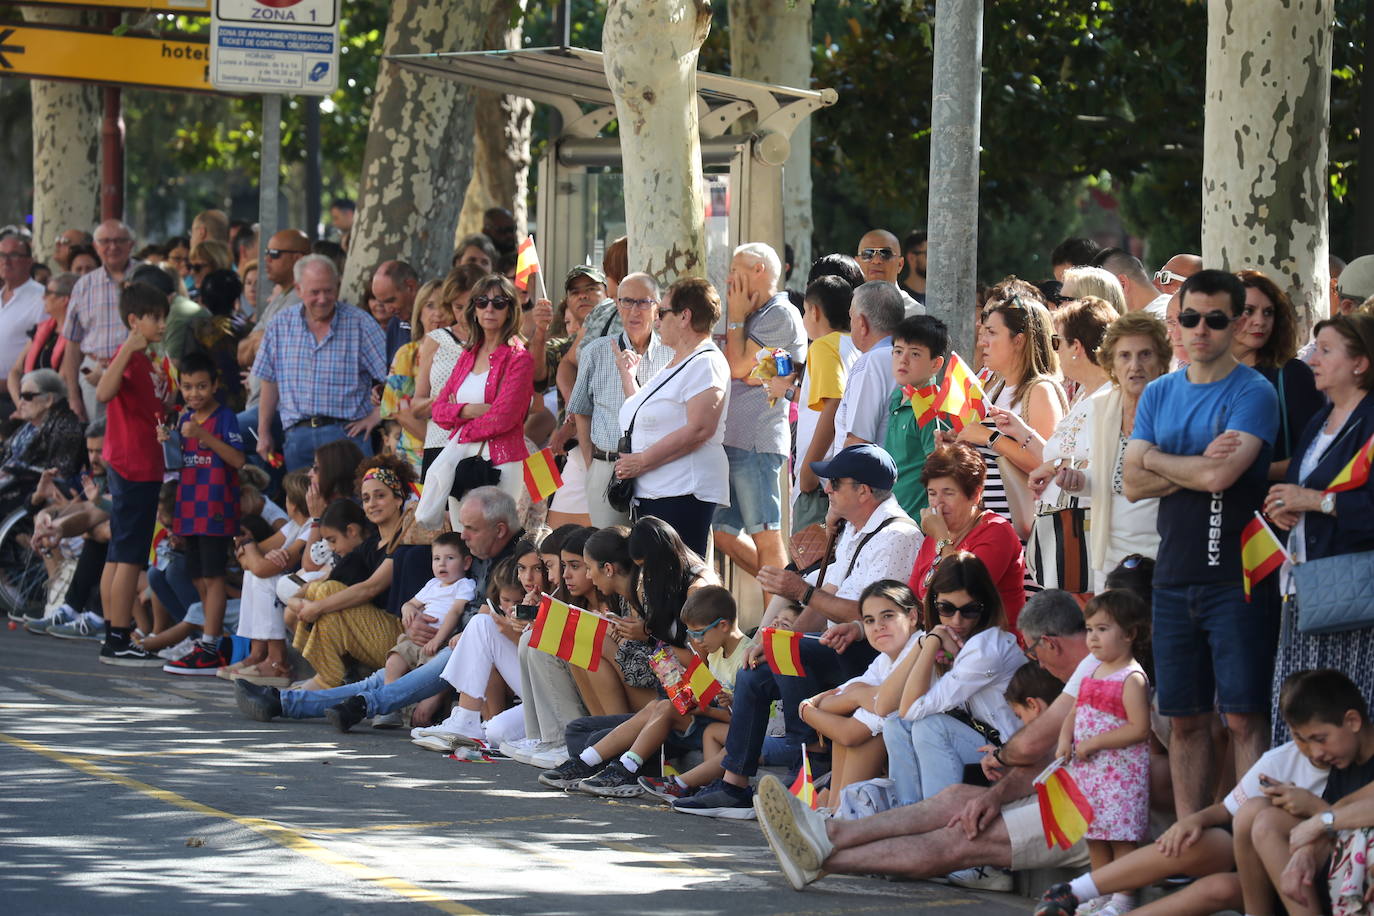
{"x": 997, "y": 755}
{"x": 806, "y": 596}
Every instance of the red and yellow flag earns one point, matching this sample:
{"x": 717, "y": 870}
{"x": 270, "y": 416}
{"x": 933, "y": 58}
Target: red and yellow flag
{"x": 961, "y": 396}
{"x": 526, "y": 262}
{"x": 1064, "y": 811}
{"x": 1355, "y": 474}
{"x": 923, "y": 403}
{"x": 803, "y": 786}
{"x": 703, "y": 683}
{"x": 782, "y": 648}
{"x": 1260, "y": 553}
{"x": 570, "y": 633}
{"x": 541, "y": 475}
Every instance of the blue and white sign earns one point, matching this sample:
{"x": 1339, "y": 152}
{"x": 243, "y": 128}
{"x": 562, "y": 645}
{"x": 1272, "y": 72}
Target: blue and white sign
{"x": 289, "y": 47}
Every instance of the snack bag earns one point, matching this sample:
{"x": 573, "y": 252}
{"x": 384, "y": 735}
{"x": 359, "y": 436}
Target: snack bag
{"x": 672, "y": 676}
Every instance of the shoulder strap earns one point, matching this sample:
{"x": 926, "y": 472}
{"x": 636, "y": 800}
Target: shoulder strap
{"x": 606, "y": 328}
{"x": 1283, "y": 418}
{"x": 449, "y": 332}
{"x": 629, "y": 430}
{"x": 854, "y": 559}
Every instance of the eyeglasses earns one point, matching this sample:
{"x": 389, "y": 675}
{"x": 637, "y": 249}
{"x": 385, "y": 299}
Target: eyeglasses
{"x": 1166, "y": 277}
{"x": 880, "y": 254}
{"x": 14, "y": 256}
{"x": 29, "y": 395}
{"x": 1217, "y": 321}
{"x": 177, "y": 258}
{"x": 106, "y": 243}
{"x": 54, "y": 293}
{"x": 1035, "y": 644}
{"x": 642, "y": 305}
{"x": 499, "y": 303}
{"x": 698, "y": 634}
{"x": 275, "y": 253}
{"x": 1054, "y": 341}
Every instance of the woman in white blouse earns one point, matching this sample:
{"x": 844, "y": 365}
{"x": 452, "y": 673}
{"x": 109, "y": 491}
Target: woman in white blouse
{"x": 945, "y": 700}
{"x": 677, "y": 458}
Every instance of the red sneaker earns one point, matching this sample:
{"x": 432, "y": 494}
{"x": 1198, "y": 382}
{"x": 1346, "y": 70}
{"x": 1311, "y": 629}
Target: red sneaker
{"x": 199, "y": 662}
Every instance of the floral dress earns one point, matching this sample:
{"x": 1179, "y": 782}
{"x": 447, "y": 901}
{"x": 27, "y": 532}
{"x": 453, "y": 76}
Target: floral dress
{"x": 1117, "y": 781}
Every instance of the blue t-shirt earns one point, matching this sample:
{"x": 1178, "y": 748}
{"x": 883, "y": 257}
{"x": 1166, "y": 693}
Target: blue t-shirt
{"x": 1200, "y": 532}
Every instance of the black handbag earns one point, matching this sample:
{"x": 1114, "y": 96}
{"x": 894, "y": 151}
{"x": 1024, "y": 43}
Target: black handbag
{"x": 471, "y": 473}
{"x": 620, "y": 492}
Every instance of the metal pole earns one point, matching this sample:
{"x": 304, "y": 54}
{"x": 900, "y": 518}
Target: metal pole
{"x": 111, "y": 155}
{"x": 268, "y": 180}
{"x": 313, "y": 189}
{"x": 956, "y": 103}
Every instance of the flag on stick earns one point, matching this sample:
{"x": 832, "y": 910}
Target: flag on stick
{"x": 961, "y": 396}
{"x": 782, "y": 648}
{"x": 526, "y": 262}
{"x": 541, "y": 475}
{"x": 803, "y": 787}
{"x": 923, "y": 403}
{"x": 571, "y": 633}
{"x": 703, "y": 683}
{"x": 1260, "y": 553}
{"x": 1064, "y": 811}
{"x": 1355, "y": 474}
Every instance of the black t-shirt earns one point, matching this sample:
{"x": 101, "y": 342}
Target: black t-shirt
{"x": 360, "y": 563}
{"x": 1341, "y": 783}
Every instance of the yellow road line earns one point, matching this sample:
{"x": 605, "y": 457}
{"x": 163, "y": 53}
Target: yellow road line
{"x": 337, "y": 831}
{"x": 277, "y": 833}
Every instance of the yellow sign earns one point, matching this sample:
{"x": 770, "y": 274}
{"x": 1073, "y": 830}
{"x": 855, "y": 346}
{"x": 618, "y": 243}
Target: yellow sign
{"x": 185, "y": 7}
{"x": 43, "y": 52}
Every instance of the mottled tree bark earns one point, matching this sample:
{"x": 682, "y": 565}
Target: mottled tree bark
{"x": 770, "y": 41}
{"x": 1265, "y": 144}
{"x": 651, "y": 49}
{"x": 501, "y": 139}
{"x": 66, "y": 149}
{"x": 418, "y": 157}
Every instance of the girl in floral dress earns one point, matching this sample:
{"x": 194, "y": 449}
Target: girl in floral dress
{"x": 1106, "y": 737}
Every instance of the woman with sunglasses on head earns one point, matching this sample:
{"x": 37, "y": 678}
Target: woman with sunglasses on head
{"x": 945, "y": 701}
{"x": 1266, "y": 339}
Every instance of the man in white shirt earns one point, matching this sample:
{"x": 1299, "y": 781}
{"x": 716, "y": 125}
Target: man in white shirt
{"x": 874, "y": 314}
{"x": 21, "y": 303}
{"x": 1141, "y": 294}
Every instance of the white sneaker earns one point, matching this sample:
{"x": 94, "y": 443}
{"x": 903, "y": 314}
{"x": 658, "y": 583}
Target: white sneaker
{"x": 443, "y": 742}
{"x": 521, "y": 749}
{"x": 982, "y": 878}
{"x": 388, "y": 720}
{"x": 179, "y": 651}
{"x": 547, "y": 756}
{"x": 797, "y": 831}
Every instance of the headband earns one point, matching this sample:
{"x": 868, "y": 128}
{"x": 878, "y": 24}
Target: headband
{"x": 387, "y": 478}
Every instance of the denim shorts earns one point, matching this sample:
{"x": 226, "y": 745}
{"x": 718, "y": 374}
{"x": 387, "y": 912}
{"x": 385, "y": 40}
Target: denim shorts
{"x": 1213, "y": 649}
{"x": 133, "y": 516}
{"x": 755, "y": 493}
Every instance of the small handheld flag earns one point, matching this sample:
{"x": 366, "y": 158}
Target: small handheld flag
{"x": 961, "y": 396}
{"x": 541, "y": 475}
{"x": 1260, "y": 553}
{"x": 570, "y": 633}
{"x": 782, "y": 648}
{"x": 804, "y": 787}
{"x": 704, "y": 685}
{"x": 1064, "y": 811}
{"x": 526, "y": 262}
{"x": 923, "y": 403}
{"x": 1355, "y": 474}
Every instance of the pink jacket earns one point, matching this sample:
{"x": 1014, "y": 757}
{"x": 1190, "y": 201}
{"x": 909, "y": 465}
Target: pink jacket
{"x": 509, "y": 390}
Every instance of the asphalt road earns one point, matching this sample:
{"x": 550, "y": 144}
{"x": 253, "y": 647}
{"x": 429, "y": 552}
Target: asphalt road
{"x": 131, "y": 791}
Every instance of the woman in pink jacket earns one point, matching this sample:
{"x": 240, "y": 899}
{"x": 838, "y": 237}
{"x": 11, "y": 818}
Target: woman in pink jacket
{"x": 485, "y": 400}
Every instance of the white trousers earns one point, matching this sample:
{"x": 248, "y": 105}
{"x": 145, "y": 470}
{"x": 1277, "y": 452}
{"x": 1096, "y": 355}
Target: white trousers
{"x": 434, "y": 497}
{"x": 482, "y": 649}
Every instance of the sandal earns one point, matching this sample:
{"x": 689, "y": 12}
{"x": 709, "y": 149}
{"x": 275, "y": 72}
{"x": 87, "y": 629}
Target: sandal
{"x": 266, "y": 674}
{"x": 227, "y": 672}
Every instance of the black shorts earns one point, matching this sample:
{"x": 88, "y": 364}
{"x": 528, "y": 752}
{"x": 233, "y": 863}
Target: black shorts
{"x": 207, "y": 556}
{"x": 133, "y": 516}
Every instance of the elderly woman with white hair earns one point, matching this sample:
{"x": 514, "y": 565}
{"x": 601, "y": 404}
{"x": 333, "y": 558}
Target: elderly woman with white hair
{"x": 51, "y": 437}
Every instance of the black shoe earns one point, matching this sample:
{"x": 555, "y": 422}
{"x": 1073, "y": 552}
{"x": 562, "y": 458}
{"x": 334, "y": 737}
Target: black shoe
{"x": 128, "y": 655}
{"x": 347, "y": 714}
{"x": 260, "y": 703}
{"x": 567, "y": 774}
{"x": 1057, "y": 901}
{"x": 613, "y": 782}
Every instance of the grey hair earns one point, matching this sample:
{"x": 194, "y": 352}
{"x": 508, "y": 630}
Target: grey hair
{"x": 65, "y": 282}
{"x": 48, "y": 382}
{"x": 648, "y": 280}
{"x": 761, "y": 252}
{"x": 880, "y": 495}
{"x": 496, "y": 505}
{"x": 96, "y": 430}
{"x": 1052, "y": 612}
{"x": 1095, "y": 281}
{"x": 881, "y": 303}
{"x": 316, "y": 260}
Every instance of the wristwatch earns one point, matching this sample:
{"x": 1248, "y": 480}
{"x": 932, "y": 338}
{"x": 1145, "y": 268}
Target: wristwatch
{"x": 1328, "y": 504}
{"x": 1328, "y": 819}
{"x": 734, "y": 325}
{"x": 993, "y": 437}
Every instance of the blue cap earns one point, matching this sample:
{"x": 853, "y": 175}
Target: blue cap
{"x": 868, "y": 464}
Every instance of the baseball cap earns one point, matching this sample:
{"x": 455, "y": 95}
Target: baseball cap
{"x": 1357, "y": 280}
{"x": 867, "y": 464}
{"x": 584, "y": 270}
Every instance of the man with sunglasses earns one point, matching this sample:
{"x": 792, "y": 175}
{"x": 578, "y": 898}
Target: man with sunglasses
{"x": 1201, "y": 444}
{"x": 1169, "y": 278}
{"x": 880, "y": 257}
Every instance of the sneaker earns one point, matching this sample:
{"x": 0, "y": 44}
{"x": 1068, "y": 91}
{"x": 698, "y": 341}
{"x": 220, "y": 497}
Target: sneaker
{"x": 614, "y": 781}
{"x": 86, "y": 626}
{"x": 128, "y": 656}
{"x": 388, "y": 720}
{"x": 1057, "y": 901}
{"x": 434, "y": 739}
{"x": 567, "y": 774}
{"x": 28, "y": 615}
{"x": 983, "y": 878}
{"x": 199, "y": 662}
{"x": 665, "y": 790}
{"x": 520, "y": 750}
{"x": 179, "y": 651}
{"x": 60, "y": 617}
{"x": 262, "y": 704}
{"x": 796, "y": 832}
{"x": 548, "y": 756}
{"x": 719, "y": 799}
{"x": 347, "y": 714}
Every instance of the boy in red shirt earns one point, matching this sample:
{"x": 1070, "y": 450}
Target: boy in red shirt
{"x": 136, "y": 385}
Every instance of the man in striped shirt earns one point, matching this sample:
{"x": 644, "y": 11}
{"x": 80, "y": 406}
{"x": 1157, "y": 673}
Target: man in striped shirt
{"x": 93, "y": 323}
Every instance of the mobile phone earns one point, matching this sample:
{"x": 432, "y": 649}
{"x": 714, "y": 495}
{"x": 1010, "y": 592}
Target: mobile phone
{"x": 495, "y": 608}
{"x": 1269, "y": 782}
{"x": 526, "y": 611}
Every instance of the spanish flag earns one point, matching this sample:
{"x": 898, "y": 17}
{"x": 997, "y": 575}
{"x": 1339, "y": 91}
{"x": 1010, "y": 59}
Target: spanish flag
{"x": 961, "y": 396}
{"x": 570, "y": 633}
{"x": 1260, "y": 553}
{"x": 782, "y": 648}
{"x": 803, "y": 786}
{"x": 922, "y": 403}
{"x": 1064, "y": 811}
{"x": 703, "y": 683}
{"x": 1355, "y": 474}
{"x": 526, "y": 262}
{"x": 541, "y": 475}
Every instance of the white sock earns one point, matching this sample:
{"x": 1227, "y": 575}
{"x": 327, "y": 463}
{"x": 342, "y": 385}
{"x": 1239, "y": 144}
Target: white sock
{"x": 1084, "y": 888}
{"x": 631, "y": 761}
{"x": 681, "y": 782}
{"x": 1124, "y": 903}
{"x": 590, "y": 757}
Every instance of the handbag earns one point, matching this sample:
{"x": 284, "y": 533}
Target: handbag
{"x": 1334, "y": 594}
{"x": 620, "y": 492}
{"x": 1020, "y": 499}
{"x": 473, "y": 472}
{"x": 1057, "y": 549}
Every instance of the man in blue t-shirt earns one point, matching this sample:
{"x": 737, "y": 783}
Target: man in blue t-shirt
{"x": 1201, "y": 444}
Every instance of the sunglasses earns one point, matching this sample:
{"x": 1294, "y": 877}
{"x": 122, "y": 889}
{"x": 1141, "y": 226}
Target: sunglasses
{"x": 29, "y": 395}
{"x": 881, "y": 254}
{"x": 1217, "y": 321}
{"x": 275, "y": 253}
{"x": 1165, "y": 277}
{"x": 198, "y": 265}
{"x": 1055, "y": 340}
{"x": 971, "y": 611}
{"x": 698, "y": 634}
{"x": 499, "y": 303}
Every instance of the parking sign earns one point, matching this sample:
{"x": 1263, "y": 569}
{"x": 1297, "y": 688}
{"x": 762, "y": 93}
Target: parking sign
{"x": 275, "y": 46}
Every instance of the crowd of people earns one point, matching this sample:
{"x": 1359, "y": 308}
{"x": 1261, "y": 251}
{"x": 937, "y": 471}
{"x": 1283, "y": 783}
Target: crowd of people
{"x": 325, "y": 504}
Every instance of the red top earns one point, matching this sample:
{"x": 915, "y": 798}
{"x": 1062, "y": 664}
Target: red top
{"x": 509, "y": 390}
{"x": 994, "y": 541}
{"x": 44, "y": 330}
{"x": 131, "y": 420}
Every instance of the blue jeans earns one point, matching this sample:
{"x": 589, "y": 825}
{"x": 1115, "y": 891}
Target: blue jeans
{"x": 407, "y": 690}
{"x": 928, "y": 755}
{"x": 248, "y": 426}
{"x": 302, "y": 440}
{"x": 755, "y": 493}
{"x": 757, "y": 688}
{"x": 1213, "y": 649}
{"x": 173, "y": 586}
